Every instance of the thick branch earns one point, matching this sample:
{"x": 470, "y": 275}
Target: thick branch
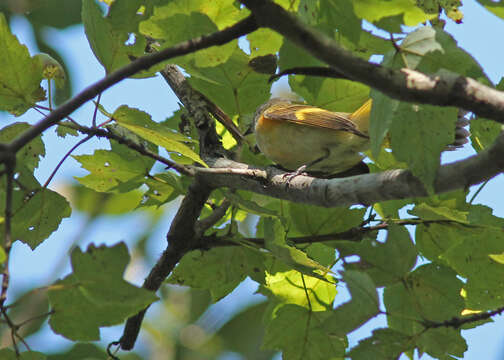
{"x": 363, "y": 189}
{"x": 145, "y": 62}
{"x": 404, "y": 84}
{"x": 180, "y": 240}
{"x": 196, "y": 105}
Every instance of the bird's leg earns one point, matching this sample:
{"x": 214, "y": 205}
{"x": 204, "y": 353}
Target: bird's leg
{"x": 301, "y": 170}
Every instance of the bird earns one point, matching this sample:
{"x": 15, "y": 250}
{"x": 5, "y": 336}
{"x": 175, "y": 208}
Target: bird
{"x": 304, "y": 138}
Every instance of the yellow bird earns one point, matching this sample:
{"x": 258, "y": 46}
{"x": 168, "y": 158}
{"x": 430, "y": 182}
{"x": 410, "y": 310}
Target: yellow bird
{"x": 303, "y": 137}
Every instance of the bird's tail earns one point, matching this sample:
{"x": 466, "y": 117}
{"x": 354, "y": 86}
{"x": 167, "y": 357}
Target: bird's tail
{"x": 361, "y": 118}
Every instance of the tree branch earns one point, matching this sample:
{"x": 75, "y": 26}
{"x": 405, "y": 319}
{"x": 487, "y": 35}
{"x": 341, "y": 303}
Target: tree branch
{"x": 404, "y": 84}
{"x": 458, "y": 322}
{"x": 362, "y": 189}
{"x": 243, "y": 27}
{"x": 180, "y": 240}
{"x": 196, "y": 105}
{"x": 354, "y": 234}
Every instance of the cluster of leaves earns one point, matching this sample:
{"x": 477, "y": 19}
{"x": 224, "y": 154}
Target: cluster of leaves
{"x": 452, "y": 269}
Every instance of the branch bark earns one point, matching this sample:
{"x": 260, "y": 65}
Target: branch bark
{"x": 181, "y": 239}
{"x": 362, "y": 189}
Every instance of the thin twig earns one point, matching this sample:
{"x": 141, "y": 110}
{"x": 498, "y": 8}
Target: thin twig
{"x": 186, "y": 170}
{"x": 353, "y": 234}
{"x": 204, "y": 224}
{"x": 478, "y": 191}
{"x": 96, "y": 110}
{"x": 64, "y": 158}
{"x": 48, "y": 109}
{"x": 458, "y": 322}
{"x": 10, "y": 166}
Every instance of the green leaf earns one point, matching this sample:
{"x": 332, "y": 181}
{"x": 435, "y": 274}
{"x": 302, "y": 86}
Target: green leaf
{"x": 29, "y": 155}
{"x": 207, "y": 270}
{"x": 431, "y": 50}
{"x": 234, "y": 86}
{"x": 95, "y": 294}
{"x": 484, "y": 131}
{"x": 389, "y": 262}
{"x": 363, "y": 306}
{"x": 291, "y": 55}
{"x": 107, "y": 35}
{"x": 33, "y": 305}
{"x": 472, "y": 258}
{"x": 482, "y": 215}
{"x": 432, "y": 240}
{"x": 274, "y": 240}
{"x": 427, "y": 212}
{"x": 340, "y": 13}
{"x": 264, "y": 42}
{"x": 496, "y": 8}
{"x": 292, "y": 287}
{"x": 36, "y": 215}
{"x": 80, "y": 351}
{"x": 375, "y": 10}
{"x": 246, "y": 324}
{"x": 163, "y": 188}
{"x": 384, "y": 344}
{"x": 418, "y": 134}
{"x": 62, "y": 130}
{"x": 441, "y": 342}
{"x": 381, "y": 119}
{"x": 20, "y": 74}
{"x": 3, "y": 255}
{"x": 8, "y": 354}
{"x": 118, "y": 170}
{"x": 222, "y": 12}
{"x": 250, "y": 206}
{"x": 177, "y": 28}
{"x": 140, "y": 123}
{"x": 431, "y": 292}
{"x": 98, "y": 203}
{"x": 331, "y": 94}
{"x": 300, "y": 334}
{"x": 316, "y": 220}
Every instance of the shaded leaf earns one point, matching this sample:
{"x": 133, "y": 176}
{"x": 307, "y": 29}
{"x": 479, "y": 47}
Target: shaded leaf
{"x": 418, "y": 134}
{"x": 95, "y": 294}
{"x": 118, "y": 170}
{"x": 108, "y": 35}
{"x": 389, "y": 262}
{"x": 207, "y": 270}
{"x": 20, "y": 74}
{"x": 363, "y": 306}
{"x": 384, "y": 344}
{"x": 38, "y": 216}
{"x": 300, "y": 334}
{"x": 8, "y": 354}
{"x": 29, "y": 155}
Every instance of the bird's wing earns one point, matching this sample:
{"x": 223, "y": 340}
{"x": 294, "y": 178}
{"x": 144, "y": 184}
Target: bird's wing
{"x": 313, "y": 116}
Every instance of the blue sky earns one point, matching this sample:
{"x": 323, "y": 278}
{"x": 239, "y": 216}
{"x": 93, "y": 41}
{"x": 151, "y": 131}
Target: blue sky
{"x": 476, "y": 35}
